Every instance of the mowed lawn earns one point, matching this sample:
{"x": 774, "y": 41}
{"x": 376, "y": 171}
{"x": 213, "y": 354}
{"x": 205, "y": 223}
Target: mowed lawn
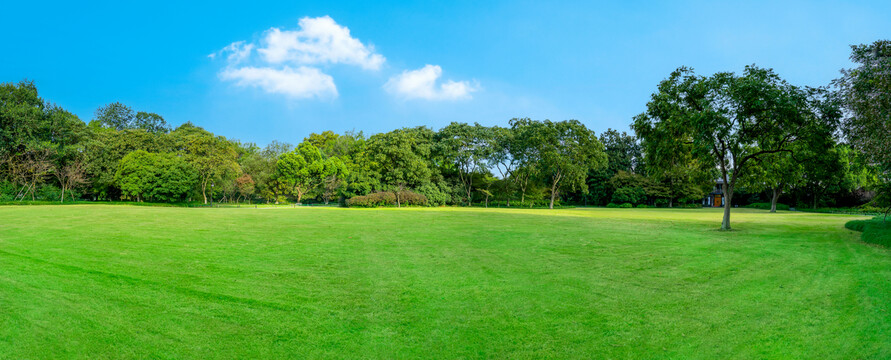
{"x": 117, "y": 282}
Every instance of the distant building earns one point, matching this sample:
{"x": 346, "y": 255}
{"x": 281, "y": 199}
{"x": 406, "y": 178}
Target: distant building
{"x": 716, "y": 197}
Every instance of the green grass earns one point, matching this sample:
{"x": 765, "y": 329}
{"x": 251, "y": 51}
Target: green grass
{"x": 117, "y": 282}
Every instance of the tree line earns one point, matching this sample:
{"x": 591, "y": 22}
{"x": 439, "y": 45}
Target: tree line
{"x": 764, "y": 138}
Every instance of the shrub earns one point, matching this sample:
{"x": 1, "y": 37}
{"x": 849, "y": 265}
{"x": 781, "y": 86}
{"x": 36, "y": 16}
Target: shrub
{"x": 7, "y": 191}
{"x": 410, "y": 198}
{"x": 632, "y": 195}
{"x": 612, "y": 205}
{"x": 387, "y": 198}
{"x": 857, "y": 225}
{"x": 626, "y": 206}
{"x": 48, "y": 192}
{"x": 435, "y": 194}
{"x": 766, "y": 206}
{"x": 644, "y": 206}
{"x": 874, "y": 231}
{"x": 692, "y": 206}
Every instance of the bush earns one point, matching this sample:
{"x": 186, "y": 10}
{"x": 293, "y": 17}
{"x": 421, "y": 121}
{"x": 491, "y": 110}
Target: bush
{"x": 874, "y": 231}
{"x": 387, "y": 198}
{"x": 626, "y": 206}
{"x": 692, "y": 206}
{"x": 7, "y": 191}
{"x": 644, "y": 206}
{"x": 632, "y": 195}
{"x": 857, "y": 225}
{"x": 766, "y": 206}
{"x": 612, "y": 205}
{"x": 409, "y": 198}
{"x": 436, "y": 196}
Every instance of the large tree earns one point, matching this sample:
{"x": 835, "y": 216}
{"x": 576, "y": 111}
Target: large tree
{"x": 465, "y": 149}
{"x": 731, "y": 120}
{"x": 118, "y": 116}
{"x": 300, "y": 171}
{"x": 157, "y": 177}
{"x": 401, "y": 157}
{"x": 563, "y": 152}
{"x": 213, "y": 158}
{"x": 866, "y": 91}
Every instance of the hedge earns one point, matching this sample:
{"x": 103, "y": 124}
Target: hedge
{"x": 766, "y": 206}
{"x": 387, "y": 198}
{"x": 874, "y": 231}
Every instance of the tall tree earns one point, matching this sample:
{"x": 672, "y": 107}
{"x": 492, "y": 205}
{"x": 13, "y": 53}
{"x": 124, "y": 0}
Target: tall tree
{"x": 401, "y": 157}
{"x": 213, "y": 158}
{"x": 466, "y": 149}
{"x": 300, "y": 170}
{"x": 506, "y": 156}
{"x": 730, "y": 120}
{"x": 866, "y": 91}
{"x": 563, "y": 151}
{"x": 119, "y": 117}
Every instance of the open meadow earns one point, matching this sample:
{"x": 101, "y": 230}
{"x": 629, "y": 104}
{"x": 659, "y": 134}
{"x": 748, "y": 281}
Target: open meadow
{"x": 92, "y": 281}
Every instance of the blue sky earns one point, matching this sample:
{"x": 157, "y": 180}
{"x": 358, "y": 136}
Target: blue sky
{"x": 597, "y": 62}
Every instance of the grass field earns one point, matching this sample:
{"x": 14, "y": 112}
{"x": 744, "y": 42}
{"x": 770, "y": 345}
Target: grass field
{"x": 119, "y": 282}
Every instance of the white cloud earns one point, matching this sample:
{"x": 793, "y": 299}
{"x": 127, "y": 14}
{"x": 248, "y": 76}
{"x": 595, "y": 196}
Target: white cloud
{"x": 421, "y": 84}
{"x": 238, "y": 51}
{"x": 286, "y": 61}
{"x": 302, "y": 83}
{"x": 318, "y": 41}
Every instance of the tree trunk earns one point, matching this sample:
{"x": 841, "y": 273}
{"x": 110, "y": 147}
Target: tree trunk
{"x": 728, "y": 196}
{"x": 553, "y": 194}
{"x": 62, "y": 200}
{"x": 773, "y": 200}
{"x": 670, "y": 202}
{"x": 204, "y": 191}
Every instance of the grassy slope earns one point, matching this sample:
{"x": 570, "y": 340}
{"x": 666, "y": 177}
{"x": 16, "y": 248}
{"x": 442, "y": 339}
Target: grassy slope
{"x": 140, "y": 282}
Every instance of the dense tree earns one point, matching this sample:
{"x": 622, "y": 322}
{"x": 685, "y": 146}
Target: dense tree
{"x": 332, "y": 172}
{"x": 774, "y": 173}
{"x": 563, "y": 151}
{"x": 158, "y": 177}
{"x": 465, "y": 148}
{"x": 300, "y": 171}
{"x": 866, "y": 92}
{"x": 119, "y": 117}
{"x": 730, "y": 120}
{"x": 401, "y": 157}
{"x": 213, "y": 158}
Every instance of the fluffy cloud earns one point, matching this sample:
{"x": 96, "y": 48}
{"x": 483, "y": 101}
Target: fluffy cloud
{"x": 302, "y": 82}
{"x": 285, "y": 59}
{"x": 318, "y": 41}
{"x": 422, "y": 84}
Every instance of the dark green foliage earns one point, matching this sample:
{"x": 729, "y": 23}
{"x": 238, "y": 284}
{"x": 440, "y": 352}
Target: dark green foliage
{"x": 875, "y": 231}
{"x": 626, "y": 206}
{"x": 119, "y": 117}
{"x": 387, "y": 198}
{"x": 729, "y": 121}
{"x": 766, "y": 206}
{"x": 155, "y": 177}
{"x": 631, "y": 195}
